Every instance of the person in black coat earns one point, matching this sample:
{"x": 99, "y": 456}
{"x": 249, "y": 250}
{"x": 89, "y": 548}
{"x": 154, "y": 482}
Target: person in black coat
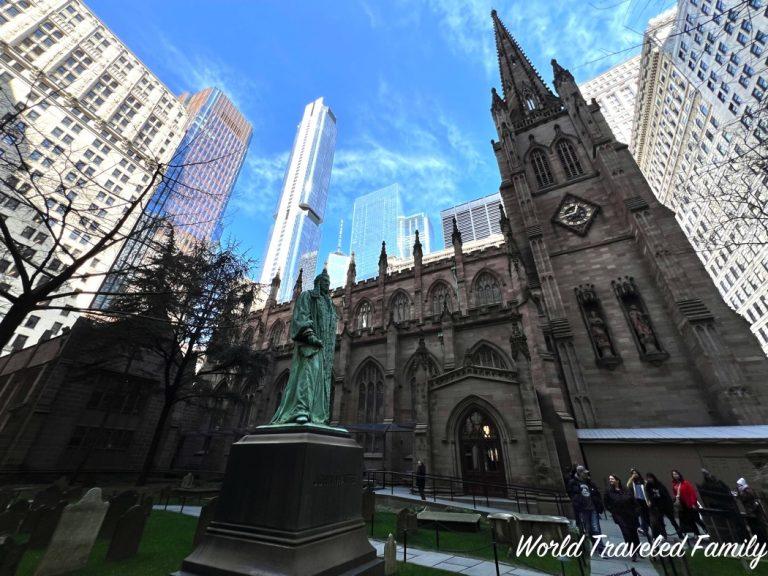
{"x": 620, "y": 502}
{"x": 660, "y": 505}
{"x": 421, "y": 478}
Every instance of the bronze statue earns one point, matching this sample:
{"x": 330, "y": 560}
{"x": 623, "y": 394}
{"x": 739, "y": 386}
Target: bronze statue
{"x": 313, "y": 329}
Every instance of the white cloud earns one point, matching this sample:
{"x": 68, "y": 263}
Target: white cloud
{"x": 258, "y": 186}
{"x": 573, "y": 31}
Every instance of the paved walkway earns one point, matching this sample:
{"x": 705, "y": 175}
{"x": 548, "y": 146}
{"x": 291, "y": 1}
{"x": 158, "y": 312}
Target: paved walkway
{"x": 476, "y": 567}
{"x": 599, "y": 566}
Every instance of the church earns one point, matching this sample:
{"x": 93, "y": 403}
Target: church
{"x": 590, "y": 332}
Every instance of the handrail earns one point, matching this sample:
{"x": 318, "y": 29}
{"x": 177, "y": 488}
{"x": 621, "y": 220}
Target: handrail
{"x": 453, "y": 486}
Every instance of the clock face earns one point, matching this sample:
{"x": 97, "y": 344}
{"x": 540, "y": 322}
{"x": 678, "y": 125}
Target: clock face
{"x": 576, "y": 214}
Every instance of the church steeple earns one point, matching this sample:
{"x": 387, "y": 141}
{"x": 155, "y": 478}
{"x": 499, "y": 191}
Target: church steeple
{"x": 525, "y": 93}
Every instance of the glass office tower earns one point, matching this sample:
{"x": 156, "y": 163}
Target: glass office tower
{"x": 375, "y": 219}
{"x": 197, "y": 185}
{"x": 295, "y": 236}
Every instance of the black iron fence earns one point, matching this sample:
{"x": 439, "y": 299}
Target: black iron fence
{"x": 527, "y": 499}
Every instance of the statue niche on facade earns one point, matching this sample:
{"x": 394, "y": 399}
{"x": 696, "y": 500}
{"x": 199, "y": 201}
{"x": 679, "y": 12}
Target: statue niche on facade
{"x": 313, "y": 330}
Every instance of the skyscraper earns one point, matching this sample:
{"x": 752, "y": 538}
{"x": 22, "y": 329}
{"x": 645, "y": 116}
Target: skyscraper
{"x": 198, "y": 186}
{"x": 615, "y": 91}
{"x": 476, "y": 219}
{"x": 88, "y": 103}
{"x": 295, "y": 236}
{"x": 375, "y": 220}
{"x": 406, "y": 234}
{"x": 338, "y": 262}
{"x": 694, "y": 144}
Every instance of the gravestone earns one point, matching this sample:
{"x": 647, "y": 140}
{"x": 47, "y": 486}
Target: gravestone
{"x": 11, "y": 519}
{"x": 406, "y": 520}
{"x": 10, "y": 556}
{"x": 6, "y": 497}
{"x": 146, "y": 504}
{"x": 45, "y": 526}
{"x": 127, "y": 534}
{"x": 369, "y": 504}
{"x": 390, "y": 557}
{"x": 74, "y": 536}
{"x": 188, "y": 481}
{"x": 118, "y": 505}
{"x": 206, "y": 515}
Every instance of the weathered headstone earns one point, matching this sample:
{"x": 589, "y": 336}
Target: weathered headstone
{"x": 6, "y": 497}
{"x": 369, "y": 504}
{"x": 11, "y": 519}
{"x": 206, "y": 515}
{"x": 390, "y": 557}
{"x": 406, "y": 520}
{"x": 188, "y": 481}
{"x": 127, "y": 534}
{"x": 45, "y": 526}
{"x": 118, "y": 505}
{"x": 10, "y": 556}
{"x": 74, "y": 536}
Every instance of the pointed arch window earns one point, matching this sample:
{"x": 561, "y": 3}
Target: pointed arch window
{"x": 569, "y": 159}
{"x": 364, "y": 315}
{"x": 541, "y": 169}
{"x": 441, "y": 298}
{"x": 248, "y": 337}
{"x": 276, "y": 334}
{"x": 401, "y": 307}
{"x": 487, "y": 290}
{"x": 488, "y": 357}
{"x": 370, "y": 405}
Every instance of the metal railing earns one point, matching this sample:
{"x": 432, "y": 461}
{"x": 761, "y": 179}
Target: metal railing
{"x": 526, "y": 498}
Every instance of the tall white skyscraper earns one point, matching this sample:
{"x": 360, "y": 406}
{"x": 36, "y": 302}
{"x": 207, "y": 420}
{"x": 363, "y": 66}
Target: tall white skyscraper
{"x": 95, "y": 120}
{"x": 615, "y": 91}
{"x": 701, "y": 110}
{"x": 406, "y": 234}
{"x": 295, "y": 236}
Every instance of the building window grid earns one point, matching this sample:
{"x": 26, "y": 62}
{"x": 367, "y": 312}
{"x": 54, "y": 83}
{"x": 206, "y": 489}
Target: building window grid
{"x": 40, "y": 39}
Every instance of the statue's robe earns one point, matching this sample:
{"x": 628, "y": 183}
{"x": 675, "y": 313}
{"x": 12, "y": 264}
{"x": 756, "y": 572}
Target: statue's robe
{"x": 308, "y": 391}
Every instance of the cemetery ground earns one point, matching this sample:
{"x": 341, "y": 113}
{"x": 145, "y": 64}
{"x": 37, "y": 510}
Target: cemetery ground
{"x": 167, "y": 540}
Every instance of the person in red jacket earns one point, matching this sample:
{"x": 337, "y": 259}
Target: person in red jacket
{"x": 687, "y": 504}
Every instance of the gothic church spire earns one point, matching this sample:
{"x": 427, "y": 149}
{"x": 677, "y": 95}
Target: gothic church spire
{"x": 525, "y": 92}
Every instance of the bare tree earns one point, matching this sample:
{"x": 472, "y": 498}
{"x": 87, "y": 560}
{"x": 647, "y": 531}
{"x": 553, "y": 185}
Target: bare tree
{"x": 62, "y": 219}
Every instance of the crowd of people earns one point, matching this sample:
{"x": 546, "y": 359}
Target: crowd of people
{"x": 640, "y": 506}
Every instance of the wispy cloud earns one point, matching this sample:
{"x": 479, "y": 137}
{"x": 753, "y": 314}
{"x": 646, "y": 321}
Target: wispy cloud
{"x": 194, "y": 70}
{"x": 575, "y": 32}
{"x": 258, "y": 186}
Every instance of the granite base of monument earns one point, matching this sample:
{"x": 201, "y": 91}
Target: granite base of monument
{"x": 289, "y": 506}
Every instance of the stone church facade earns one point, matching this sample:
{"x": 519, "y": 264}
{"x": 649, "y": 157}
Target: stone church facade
{"x": 592, "y": 312}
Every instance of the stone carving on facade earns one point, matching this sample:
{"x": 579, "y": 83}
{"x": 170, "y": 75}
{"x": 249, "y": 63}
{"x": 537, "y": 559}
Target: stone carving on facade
{"x": 606, "y": 354}
{"x": 518, "y": 341}
{"x": 639, "y": 321}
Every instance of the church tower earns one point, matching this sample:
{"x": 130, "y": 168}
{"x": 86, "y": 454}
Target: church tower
{"x": 636, "y": 332}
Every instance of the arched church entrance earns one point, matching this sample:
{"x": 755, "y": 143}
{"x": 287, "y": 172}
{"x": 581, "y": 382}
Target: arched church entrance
{"x": 481, "y": 454}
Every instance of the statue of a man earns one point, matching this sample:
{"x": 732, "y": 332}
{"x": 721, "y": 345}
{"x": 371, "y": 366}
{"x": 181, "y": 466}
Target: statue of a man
{"x": 313, "y": 330}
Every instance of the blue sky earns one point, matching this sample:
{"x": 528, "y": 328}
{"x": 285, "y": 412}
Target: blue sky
{"x": 409, "y": 83}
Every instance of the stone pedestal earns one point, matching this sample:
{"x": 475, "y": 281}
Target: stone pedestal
{"x": 289, "y": 506}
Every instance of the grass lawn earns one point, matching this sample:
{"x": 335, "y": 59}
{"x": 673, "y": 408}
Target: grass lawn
{"x": 700, "y": 565}
{"x": 473, "y": 544}
{"x": 167, "y": 541}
